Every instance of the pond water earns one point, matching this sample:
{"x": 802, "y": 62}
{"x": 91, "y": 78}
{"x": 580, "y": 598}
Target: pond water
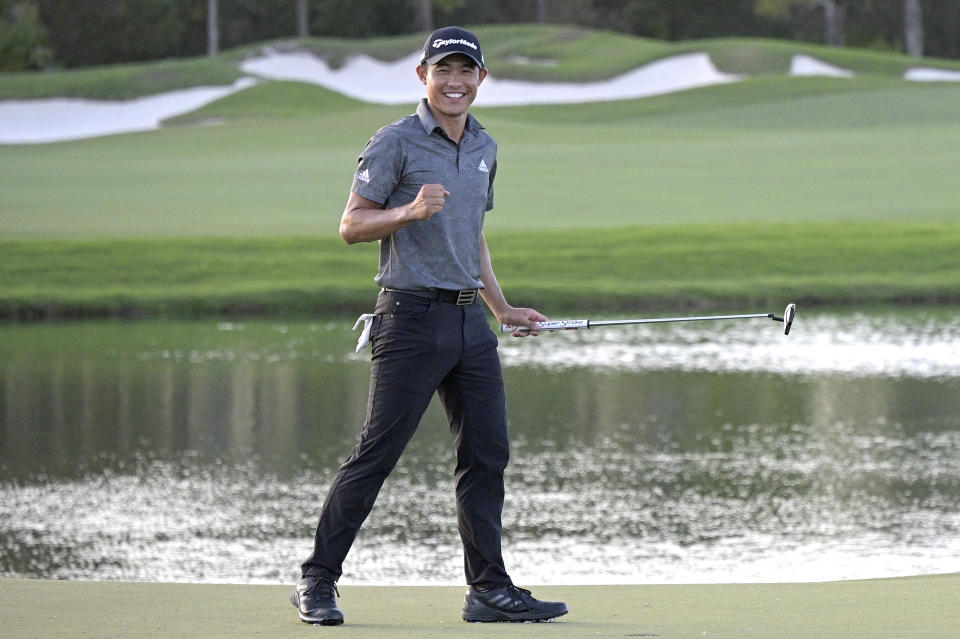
{"x": 675, "y": 453}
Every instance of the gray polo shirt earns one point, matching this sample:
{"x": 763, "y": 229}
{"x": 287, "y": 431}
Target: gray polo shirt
{"x": 443, "y": 251}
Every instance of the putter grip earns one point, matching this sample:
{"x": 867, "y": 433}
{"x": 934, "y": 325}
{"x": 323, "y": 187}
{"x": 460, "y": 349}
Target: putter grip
{"x": 551, "y": 325}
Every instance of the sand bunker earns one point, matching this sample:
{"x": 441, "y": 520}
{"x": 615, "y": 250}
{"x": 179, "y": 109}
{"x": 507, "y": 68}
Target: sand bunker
{"x": 370, "y": 80}
{"x": 59, "y": 119}
{"x": 922, "y": 74}
{"x": 804, "y": 65}
{"x": 364, "y": 78}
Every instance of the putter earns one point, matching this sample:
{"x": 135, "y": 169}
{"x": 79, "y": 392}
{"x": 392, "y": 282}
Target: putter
{"x": 571, "y": 325}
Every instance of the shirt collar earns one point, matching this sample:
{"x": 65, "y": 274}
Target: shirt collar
{"x": 430, "y": 123}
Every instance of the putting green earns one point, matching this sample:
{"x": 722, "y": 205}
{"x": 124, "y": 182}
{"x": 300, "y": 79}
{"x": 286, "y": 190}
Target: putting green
{"x": 915, "y": 607}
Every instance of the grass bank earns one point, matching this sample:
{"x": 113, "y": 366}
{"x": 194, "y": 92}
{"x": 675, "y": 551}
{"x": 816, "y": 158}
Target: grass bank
{"x": 642, "y": 268}
{"x": 520, "y": 51}
{"x": 920, "y": 608}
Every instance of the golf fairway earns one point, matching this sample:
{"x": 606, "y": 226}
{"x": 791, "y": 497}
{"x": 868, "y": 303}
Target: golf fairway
{"x": 913, "y": 607}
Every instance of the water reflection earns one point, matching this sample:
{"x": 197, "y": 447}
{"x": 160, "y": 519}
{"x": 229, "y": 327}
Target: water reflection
{"x": 925, "y": 345}
{"x": 182, "y": 451}
{"x": 79, "y": 396}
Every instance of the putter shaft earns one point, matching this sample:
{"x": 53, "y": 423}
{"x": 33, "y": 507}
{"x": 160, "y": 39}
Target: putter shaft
{"x": 575, "y": 324}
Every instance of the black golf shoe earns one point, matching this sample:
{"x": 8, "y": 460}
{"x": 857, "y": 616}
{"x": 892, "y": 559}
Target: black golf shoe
{"x": 315, "y": 598}
{"x": 509, "y": 603}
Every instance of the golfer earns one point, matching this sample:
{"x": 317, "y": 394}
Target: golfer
{"x": 422, "y": 189}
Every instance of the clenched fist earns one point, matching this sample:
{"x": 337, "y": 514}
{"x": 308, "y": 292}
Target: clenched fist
{"x": 429, "y": 201}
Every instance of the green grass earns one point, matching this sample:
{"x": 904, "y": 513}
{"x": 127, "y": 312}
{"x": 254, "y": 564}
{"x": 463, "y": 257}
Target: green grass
{"x": 758, "y": 56}
{"x": 256, "y": 176}
{"x": 273, "y": 100}
{"x": 122, "y": 81}
{"x": 838, "y": 191}
{"x": 575, "y": 54}
{"x": 763, "y": 151}
{"x": 642, "y": 268}
{"x": 920, "y": 608}
{"x": 764, "y": 103}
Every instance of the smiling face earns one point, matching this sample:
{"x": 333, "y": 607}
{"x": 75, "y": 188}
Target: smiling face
{"x": 451, "y": 86}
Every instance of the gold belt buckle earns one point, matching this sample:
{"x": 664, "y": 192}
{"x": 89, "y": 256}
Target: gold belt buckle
{"x": 466, "y": 297}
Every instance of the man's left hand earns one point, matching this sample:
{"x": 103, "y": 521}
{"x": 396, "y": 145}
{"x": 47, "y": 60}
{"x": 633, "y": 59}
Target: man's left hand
{"x": 523, "y": 317}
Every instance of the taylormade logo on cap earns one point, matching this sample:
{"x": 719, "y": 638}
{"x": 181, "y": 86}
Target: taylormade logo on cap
{"x": 450, "y": 40}
{"x": 446, "y": 43}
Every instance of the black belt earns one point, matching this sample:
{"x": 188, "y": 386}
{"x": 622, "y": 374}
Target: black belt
{"x": 460, "y": 298}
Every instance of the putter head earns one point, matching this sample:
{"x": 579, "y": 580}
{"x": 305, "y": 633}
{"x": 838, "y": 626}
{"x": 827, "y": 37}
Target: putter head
{"x": 788, "y": 314}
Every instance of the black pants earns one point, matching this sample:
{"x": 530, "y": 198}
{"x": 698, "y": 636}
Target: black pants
{"x": 423, "y": 346}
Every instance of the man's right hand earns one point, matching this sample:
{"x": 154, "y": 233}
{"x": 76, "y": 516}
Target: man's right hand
{"x": 365, "y": 220}
{"x": 429, "y": 201}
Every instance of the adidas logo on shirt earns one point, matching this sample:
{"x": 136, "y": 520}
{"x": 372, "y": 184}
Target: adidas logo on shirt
{"x": 364, "y": 176}
{"x": 483, "y": 167}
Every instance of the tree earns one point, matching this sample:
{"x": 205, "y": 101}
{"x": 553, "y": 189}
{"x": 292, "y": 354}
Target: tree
{"x": 913, "y": 27}
{"x": 834, "y": 15}
{"x": 86, "y": 33}
{"x": 303, "y": 19}
{"x": 112, "y": 31}
{"x": 669, "y": 19}
{"x": 213, "y": 27}
{"x": 22, "y": 37}
{"x": 448, "y": 12}
{"x": 424, "y": 15}
{"x": 541, "y": 16}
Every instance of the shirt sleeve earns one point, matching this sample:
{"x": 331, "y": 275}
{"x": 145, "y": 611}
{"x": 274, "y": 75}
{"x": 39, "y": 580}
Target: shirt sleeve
{"x": 493, "y": 174}
{"x": 379, "y": 167}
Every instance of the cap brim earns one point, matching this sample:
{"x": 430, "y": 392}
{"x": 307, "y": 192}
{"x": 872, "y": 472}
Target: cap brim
{"x": 441, "y": 56}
